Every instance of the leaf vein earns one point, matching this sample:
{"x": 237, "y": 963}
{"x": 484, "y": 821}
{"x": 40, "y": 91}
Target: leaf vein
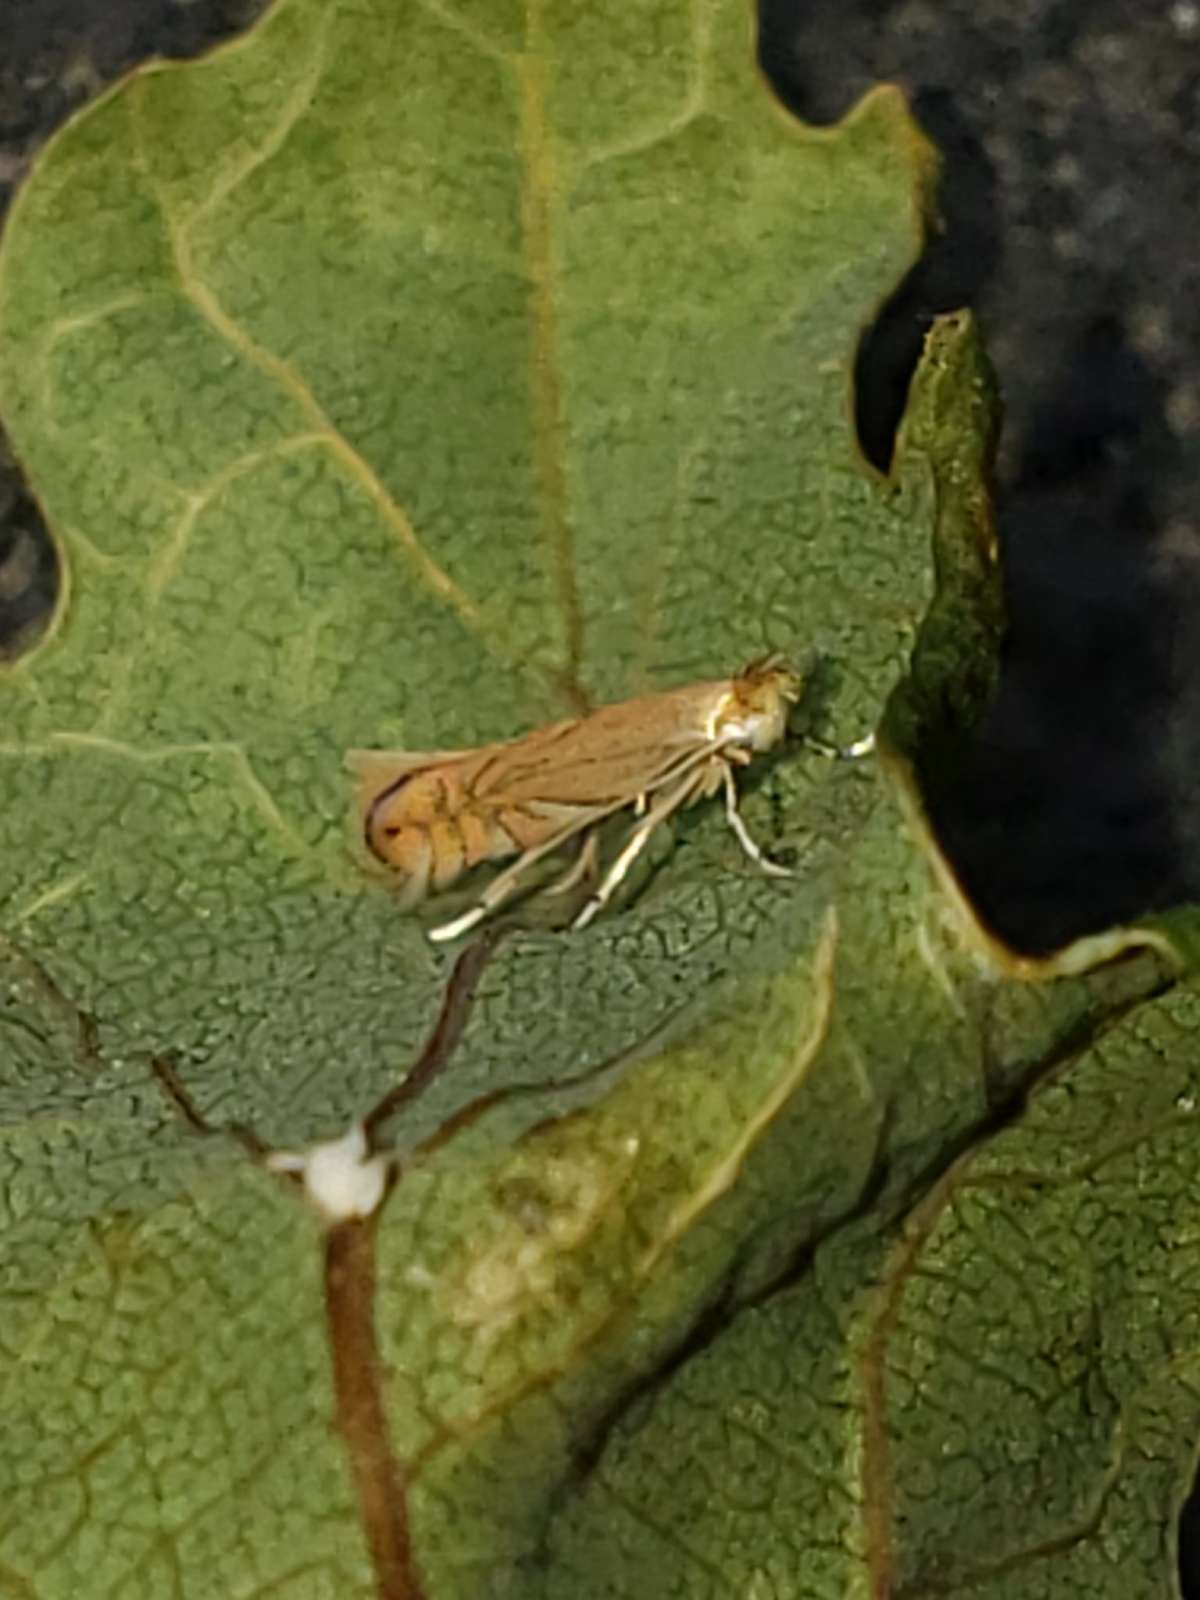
{"x": 293, "y": 108}
{"x": 695, "y": 99}
{"x": 290, "y": 381}
{"x": 466, "y": 30}
{"x": 538, "y": 201}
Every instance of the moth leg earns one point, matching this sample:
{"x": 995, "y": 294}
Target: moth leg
{"x": 463, "y": 924}
{"x": 582, "y": 867}
{"x": 636, "y": 843}
{"x": 734, "y": 818}
{"x": 508, "y": 881}
{"x": 847, "y": 752}
{"x": 860, "y": 747}
{"x": 633, "y": 848}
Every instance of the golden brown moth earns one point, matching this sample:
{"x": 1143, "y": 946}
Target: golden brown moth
{"x": 431, "y": 814}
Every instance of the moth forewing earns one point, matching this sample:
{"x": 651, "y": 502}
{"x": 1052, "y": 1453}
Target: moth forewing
{"x": 431, "y": 815}
{"x": 614, "y": 754}
{"x": 378, "y": 772}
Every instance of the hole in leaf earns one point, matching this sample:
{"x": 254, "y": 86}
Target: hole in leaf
{"x": 186, "y": 29}
{"x": 822, "y": 56}
{"x": 962, "y": 246}
{"x": 55, "y": 59}
{"x": 961, "y": 251}
{"x": 1189, "y": 1544}
{"x": 29, "y": 575}
{"x": 1057, "y": 808}
{"x": 1074, "y": 803}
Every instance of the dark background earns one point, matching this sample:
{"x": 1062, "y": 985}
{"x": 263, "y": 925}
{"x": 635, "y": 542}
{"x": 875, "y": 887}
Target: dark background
{"x": 1071, "y": 139}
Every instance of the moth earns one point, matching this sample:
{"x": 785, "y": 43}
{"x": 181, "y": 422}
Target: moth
{"x": 431, "y": 814}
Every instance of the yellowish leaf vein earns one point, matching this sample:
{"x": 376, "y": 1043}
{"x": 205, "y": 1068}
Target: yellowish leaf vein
{"x": 539, "y": 198}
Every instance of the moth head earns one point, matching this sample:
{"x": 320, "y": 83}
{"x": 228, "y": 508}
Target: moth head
{"x": 756, "y": 711}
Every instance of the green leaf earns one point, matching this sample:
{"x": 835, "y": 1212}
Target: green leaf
{"x": 412, "y": 376}
{"x": 996, "y": 1396}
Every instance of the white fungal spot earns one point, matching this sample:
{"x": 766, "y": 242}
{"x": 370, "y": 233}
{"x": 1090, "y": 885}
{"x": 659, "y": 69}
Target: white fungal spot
{"x": 340, "y": 1177}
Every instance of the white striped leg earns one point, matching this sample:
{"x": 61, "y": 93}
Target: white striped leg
{"x": 734, "y": 817}
{"x": 580, "y": 868}
{"x": 507, "y": 883}
{"x": 637, "y": 842}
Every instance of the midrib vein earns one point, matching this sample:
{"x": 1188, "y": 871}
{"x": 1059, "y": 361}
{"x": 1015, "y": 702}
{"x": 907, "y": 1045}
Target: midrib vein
{"x": 537, "y": 230}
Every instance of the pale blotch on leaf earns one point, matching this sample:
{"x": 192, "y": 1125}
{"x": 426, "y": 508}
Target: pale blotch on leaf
{"x": 521, "y": 1269}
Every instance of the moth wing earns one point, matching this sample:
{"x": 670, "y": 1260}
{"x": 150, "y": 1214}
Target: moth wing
{"x": 377, "y": 770}
{"x": 609, "y": 757}
{"x": 560, "y": 814}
